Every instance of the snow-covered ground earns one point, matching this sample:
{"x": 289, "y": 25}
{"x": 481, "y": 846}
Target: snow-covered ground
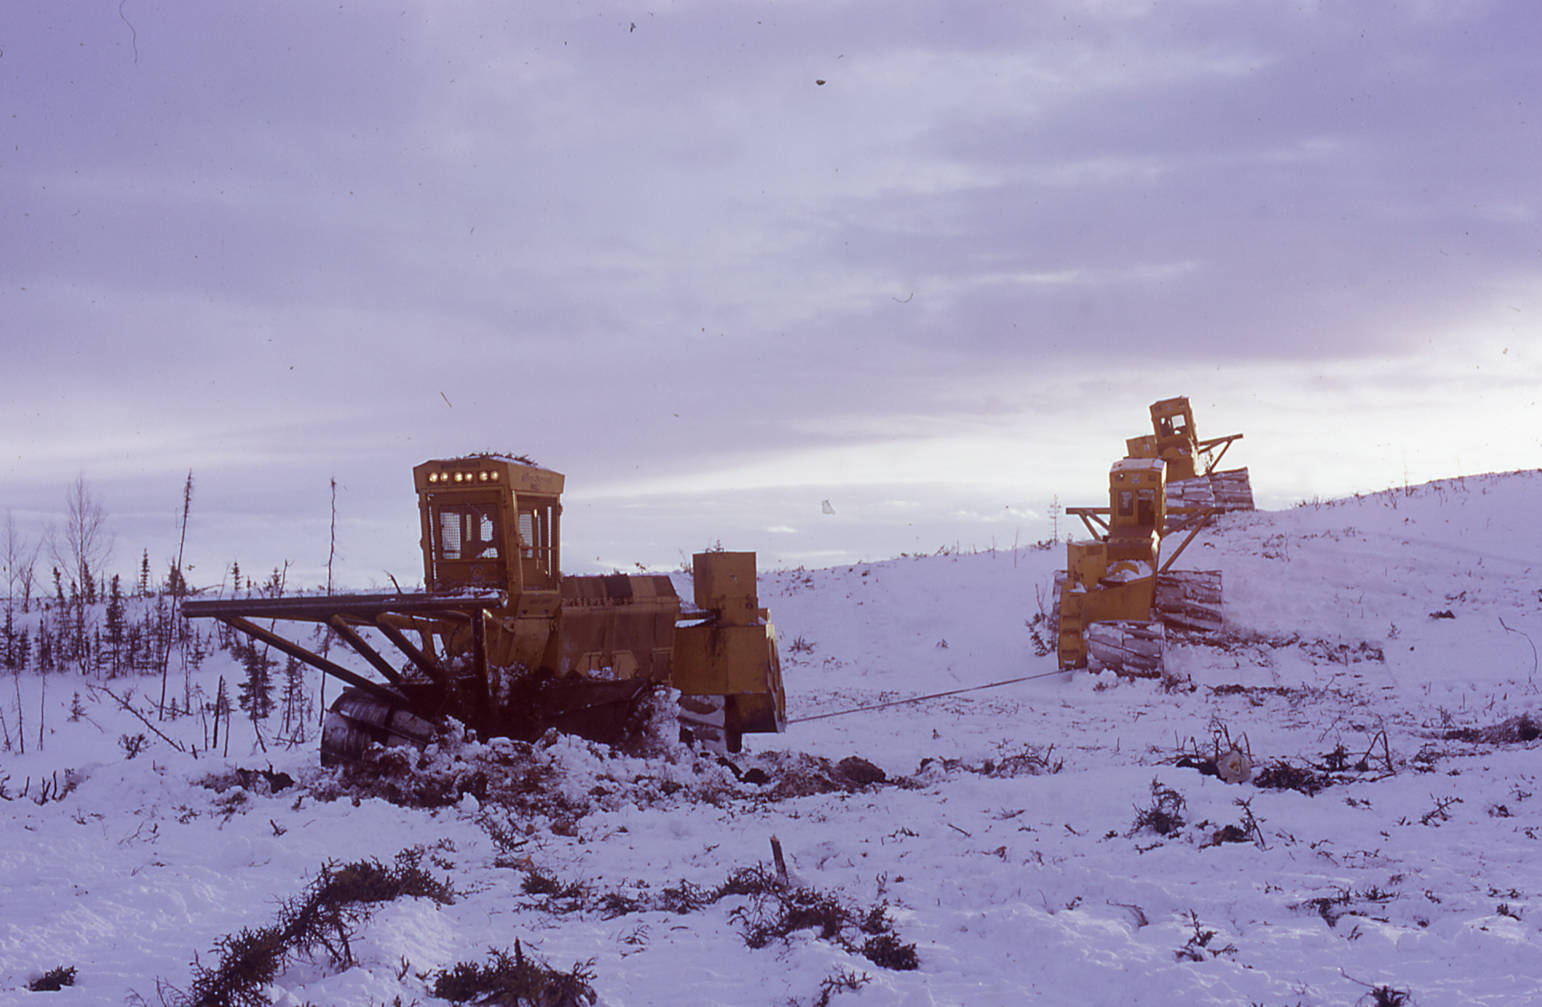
{"x": 1035, "y": 842}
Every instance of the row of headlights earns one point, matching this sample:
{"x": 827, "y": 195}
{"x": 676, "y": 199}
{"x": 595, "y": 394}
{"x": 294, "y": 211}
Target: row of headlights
{"x": 462, "y": 477}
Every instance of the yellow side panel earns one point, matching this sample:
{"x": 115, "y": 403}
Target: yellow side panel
{"x": 1130, "y": 601}
{"x": 1086, "y": 561}
{"x": 725, "y": 584}
{"x": 722, "y": 660}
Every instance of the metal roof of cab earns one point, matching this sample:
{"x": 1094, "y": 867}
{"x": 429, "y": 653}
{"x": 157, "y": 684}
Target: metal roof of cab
{"x": 1137, "y": 465}
{"x": 486, "y": 472}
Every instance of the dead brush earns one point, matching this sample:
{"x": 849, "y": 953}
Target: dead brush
{"x": 561, "y": 896}
{"x": 1331, "y": 768}
{"x": 684, "y": 898}
{"x": 1029, "y": 761}
{"x": 757, "y": 880}
{"x": 1040, "y": 629}
{"x": 1164, "y": 816}
{"x": 614, "y": 904}
{"x": 1348, "y": 902}
{"x": 324, "y": 918}
{"x": 840, "y": 982}
{"x": 773, "y": 910}
{"x": 1440, "y": 812}
{"x": 53, "y": 980}
{"x": 777, "y": 914}
{"x": 1281, "y": 775}
{"x": 800, "y": 645}
{"x": 780, "y": 913}
{"x": 1200, "y": 946}
{"x": 516, "y": 981}
{"x": 1380, "y": 996}
{"x": 888, "y": 951}
{"x": 369, "y": 881}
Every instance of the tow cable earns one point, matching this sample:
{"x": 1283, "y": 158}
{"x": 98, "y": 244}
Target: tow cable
{"x": 922, "y": 699}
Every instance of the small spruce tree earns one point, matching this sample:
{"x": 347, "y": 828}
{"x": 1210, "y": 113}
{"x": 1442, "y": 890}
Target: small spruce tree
{"x": 296, "y": 701}
{"x": 175, "y": 585}
{"x": 115, "y": 634}
{"x": 255, "y": 693}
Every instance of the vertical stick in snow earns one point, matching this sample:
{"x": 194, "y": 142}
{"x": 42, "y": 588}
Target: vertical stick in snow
{"x": 21, "y": 722}
{"x": 331, "y": 554}
{"x": 332, "y": 536}
{"x": 176, "y": 595}
{"x": 219, "y": 705}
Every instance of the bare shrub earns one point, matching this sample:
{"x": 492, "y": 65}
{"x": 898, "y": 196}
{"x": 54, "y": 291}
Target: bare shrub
{"x": 1164, "y": 816}
{"x": 839, "y": 982}
{"x": 516, "y": 981}
{"x": 323, "y": 918}
{"x": 1029, "y": 760}
{"x": 53, "y": 980}
{"x": 1200, "y": 946}
{"x": 777, "y": 914}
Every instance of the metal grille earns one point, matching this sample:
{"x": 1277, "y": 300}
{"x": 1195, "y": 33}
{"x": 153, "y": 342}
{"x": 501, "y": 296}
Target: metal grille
{"x": 449, "y": 534}
{"x": 467, "y": 532}
{"x": 527, "y": 534}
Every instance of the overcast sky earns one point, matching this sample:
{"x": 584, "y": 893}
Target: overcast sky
{"x": 723, "y": 261}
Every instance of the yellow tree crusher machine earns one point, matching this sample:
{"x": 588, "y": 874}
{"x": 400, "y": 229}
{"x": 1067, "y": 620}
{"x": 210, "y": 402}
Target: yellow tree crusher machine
{"x": 506, "y": 643}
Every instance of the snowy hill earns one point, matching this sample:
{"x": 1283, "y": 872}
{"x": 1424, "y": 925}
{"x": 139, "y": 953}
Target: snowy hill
{"x": 1041, "y": 841}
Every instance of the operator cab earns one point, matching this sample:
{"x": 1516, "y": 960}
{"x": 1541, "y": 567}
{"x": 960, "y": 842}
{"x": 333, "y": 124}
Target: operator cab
{"x": 1174, "y": 439}
{"x": 489, "y": 522}
{"x": 1137, "y": 507}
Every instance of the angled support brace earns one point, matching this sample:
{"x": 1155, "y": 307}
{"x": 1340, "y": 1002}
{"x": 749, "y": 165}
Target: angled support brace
{"x": 1224, "y": 442}
{"x": 1198, "y": 527}
{"x": 422, "y": 661}
{"x": 299, "y": 653}
{"x": 359, "y": 644}
{"x": 1089, "y": 515}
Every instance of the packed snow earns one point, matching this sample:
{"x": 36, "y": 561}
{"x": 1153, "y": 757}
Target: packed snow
{"x": 1054, "y": 839}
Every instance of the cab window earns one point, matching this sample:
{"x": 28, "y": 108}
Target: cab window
{"x": 467, "y": 532}
{"x": 537, "y": 539}
{"x": 1147, "y": 508}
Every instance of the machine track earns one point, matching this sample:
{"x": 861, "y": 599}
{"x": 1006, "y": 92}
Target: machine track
{"x": 1133, "y": 649}
{"x": 1220, "y": 491}
{"x": 1186, "y": 600}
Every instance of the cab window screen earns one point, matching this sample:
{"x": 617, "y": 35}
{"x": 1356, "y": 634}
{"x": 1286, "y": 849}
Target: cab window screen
{"x": 449, "y": 534}
{"x": 537, "y": 540}
{"x": 526, "y": 534}
{"x": 468, "y": 531}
